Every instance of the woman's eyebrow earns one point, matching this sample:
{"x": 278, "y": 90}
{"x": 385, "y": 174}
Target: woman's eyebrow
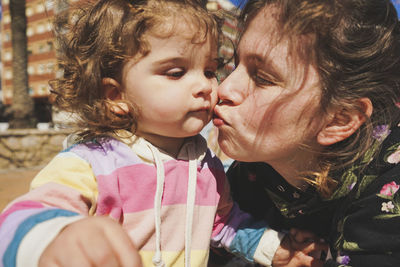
{"x": 267, "y": 65}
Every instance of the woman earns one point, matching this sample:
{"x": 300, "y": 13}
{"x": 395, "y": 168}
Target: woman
{"x": 310, "y": 115}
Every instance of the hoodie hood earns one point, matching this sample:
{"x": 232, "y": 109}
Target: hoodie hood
{"x": 142, "y": 148}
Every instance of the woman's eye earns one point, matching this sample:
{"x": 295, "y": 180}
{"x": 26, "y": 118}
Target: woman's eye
{"x": 263, "y": 80}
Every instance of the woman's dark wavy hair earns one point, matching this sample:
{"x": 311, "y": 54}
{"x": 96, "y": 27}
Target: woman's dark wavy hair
{"x": 355, "y": 47}
{"x": 100, "y": 38}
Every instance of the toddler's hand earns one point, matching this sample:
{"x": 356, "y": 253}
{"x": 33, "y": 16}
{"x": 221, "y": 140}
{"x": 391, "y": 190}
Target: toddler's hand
{"x": 299, "y": 249}
{"x": 93, "y": 241}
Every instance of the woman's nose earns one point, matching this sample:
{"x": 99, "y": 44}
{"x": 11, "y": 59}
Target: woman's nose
{"x": 232, "y": 90}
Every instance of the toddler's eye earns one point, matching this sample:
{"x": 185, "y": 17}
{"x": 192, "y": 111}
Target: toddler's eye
{"x": 175, "y": 73}
{"x": 210, "y": 74}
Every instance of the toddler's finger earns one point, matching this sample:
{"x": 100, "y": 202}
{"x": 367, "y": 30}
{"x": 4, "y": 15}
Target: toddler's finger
{"x": 123, "y": 247}
{"x": 54, "y": 256}
{"x": 314, "y": 249}
{"x": 315, "y": 246}
{"x": 100, "y": 252}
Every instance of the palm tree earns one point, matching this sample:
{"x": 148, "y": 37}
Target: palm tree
{"x": 22, "y": 109}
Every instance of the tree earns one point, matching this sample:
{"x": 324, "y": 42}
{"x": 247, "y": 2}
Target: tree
{"x": 22, "y": 109}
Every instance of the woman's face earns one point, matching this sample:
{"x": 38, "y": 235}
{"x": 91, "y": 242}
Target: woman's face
{"x": 270, "y": 103}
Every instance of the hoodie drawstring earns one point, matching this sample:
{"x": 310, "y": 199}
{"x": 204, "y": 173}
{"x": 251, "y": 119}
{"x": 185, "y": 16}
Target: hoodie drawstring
{"x": 190, "y": 204}
{"x": 157, "y": 260}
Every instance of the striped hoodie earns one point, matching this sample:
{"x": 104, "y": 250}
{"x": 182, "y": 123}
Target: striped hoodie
{"x": 172, "y": 208}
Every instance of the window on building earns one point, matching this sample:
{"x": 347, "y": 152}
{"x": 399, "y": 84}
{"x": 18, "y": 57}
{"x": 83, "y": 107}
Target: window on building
{"x": 41, "y": 68}
{"x": 31, "y": 70}
{"x": 29, "y": 31}
{"x": 7, "y": 37}
{"x": 42, "y": 48}
{"x": 8, "y": 74}
{"x": 40, "y": 28}
{"x": 49, "y": 27}
{"x": 8, "y": 93}
{"x": 40, "y": 8}
{"x": 29, "y": 11}
{"x": 50, "y": 67}
{"x": 7, "y": 56}
{"x": 7, "y": 18}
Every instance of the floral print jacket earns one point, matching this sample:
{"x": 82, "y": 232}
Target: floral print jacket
{"x": 361, "y": 220}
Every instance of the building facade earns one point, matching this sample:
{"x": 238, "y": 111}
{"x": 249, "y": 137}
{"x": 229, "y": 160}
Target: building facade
{"x": 41, "y": 51}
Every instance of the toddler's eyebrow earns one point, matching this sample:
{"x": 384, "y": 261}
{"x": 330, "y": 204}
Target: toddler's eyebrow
{"x": 165, "y": 61}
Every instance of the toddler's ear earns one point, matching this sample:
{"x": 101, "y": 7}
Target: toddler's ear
{"x": 343, "y": 123}
{"x": 112, "y": 92}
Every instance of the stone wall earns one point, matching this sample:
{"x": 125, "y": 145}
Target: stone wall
{"x": 29, "y": 148}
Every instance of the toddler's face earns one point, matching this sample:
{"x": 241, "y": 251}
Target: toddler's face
{"x": 174, "y": 86}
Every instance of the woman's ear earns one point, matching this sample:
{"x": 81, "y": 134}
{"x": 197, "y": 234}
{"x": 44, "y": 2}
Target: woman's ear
{"x": 343, "y": 123}
{"x": 113, "y": 92}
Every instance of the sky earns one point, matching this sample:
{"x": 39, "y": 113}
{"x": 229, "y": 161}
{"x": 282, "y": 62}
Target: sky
{"x": 397, "y": 5}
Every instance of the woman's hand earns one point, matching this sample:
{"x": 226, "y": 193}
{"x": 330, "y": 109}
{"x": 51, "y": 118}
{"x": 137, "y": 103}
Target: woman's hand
{"x": 299, "y": 249}
{"x": 93, "y": 241}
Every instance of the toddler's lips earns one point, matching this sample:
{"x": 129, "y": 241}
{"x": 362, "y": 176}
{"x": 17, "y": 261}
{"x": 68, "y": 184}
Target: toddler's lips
{"x": 201, "y": 112}
{"x": 207, "y": 109}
